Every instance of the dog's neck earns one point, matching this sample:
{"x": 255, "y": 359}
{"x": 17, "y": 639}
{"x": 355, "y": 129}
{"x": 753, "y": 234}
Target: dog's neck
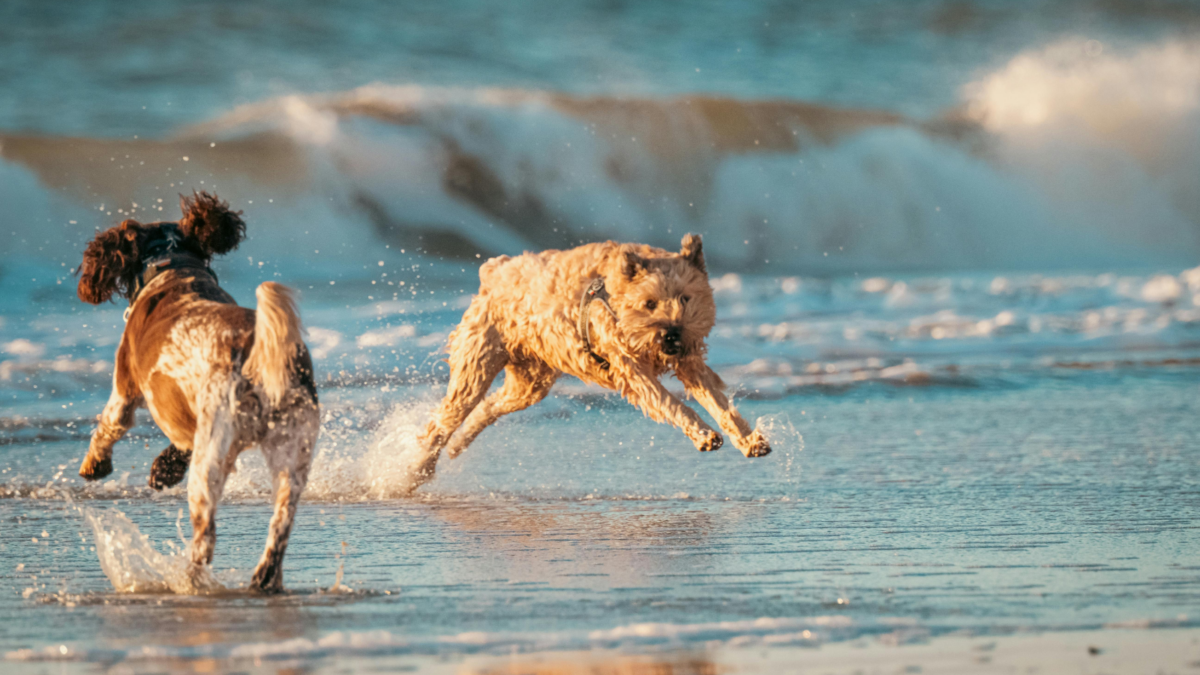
{"x": 166, "y": 253}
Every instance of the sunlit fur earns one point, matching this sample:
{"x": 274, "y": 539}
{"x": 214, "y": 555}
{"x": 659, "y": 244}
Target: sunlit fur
{"x": 278, "y": 331}
{"x": 525, "y": 321}
{"x": 217, "y": 378}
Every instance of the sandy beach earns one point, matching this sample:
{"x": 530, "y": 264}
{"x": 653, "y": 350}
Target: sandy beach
{"x": 1111, "y": 652}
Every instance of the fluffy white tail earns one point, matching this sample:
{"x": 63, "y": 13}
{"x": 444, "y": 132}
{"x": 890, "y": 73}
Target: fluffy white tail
{"x": 278, "y": 339}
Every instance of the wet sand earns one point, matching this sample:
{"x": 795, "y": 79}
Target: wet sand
{"x": 1112, "y": 652}
{"x": 1101, "y": 652}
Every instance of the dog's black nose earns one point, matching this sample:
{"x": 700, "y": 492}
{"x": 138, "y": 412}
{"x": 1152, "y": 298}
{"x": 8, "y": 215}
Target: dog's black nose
{"x": 671, "y": 341}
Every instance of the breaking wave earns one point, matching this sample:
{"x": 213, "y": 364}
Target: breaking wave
{"x": 1074, "y": 155}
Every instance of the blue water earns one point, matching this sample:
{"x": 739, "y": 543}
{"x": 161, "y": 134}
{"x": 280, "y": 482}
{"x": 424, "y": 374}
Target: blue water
{"x": 147, "y": 68}
{"x": 960, "y": 295}
{"x": 991, "y": 484}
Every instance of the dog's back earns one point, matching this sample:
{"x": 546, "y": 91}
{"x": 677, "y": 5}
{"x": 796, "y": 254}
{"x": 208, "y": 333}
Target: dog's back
{"x": 183, "y": 330}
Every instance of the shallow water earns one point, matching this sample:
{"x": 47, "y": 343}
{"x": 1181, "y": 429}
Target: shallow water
{"x": 953, "y": 248}
{"x": 989, "y": 482}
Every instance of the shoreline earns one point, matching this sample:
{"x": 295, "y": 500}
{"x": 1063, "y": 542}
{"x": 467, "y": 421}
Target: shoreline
{"x": 1109, "y": 651}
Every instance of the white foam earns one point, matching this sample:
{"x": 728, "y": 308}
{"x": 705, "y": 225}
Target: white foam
{"x": 345, "y": 468}
{"x": 1110, "y": 137}
{"x": 386, "y": 337}
{"x": 1089, "y": 160}
{"x": 1076, "y": 81}
{"x": 134, "y": 565}
{"x": 766, "y": 631}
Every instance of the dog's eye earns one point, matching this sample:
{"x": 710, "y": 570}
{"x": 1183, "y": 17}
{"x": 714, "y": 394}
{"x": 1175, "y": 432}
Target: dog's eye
{"x": 651, "y": 305}
{"x": 684, "y": 299}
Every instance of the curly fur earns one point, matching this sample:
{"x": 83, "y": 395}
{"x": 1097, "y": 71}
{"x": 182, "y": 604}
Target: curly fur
{"x": 112, "y": 260}
{"x": 525, "y": 321}
{"x": 111, "y": 263}
{"x": 208, "y": 221}
{"x": 182, "y": 356}
{"x": 680, "y": 295}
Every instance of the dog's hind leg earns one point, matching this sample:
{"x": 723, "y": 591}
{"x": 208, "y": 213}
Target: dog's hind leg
{"x": 169, "y": 468}
{"x": 211, "y": 462}
{"x": 524, "y": 385}
{"x": 288, "y": 451}
{"x": 477, "y": 356}
{"x": 708, "y": 389}
{"x": 117, "y": 418}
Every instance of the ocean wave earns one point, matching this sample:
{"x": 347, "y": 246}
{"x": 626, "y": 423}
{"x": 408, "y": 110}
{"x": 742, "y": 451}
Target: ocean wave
{"x": 1098, "y": 177}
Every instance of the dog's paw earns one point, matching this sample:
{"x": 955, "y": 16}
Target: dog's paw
{"x": 169, "y": 468}
{"x": 267, "y": 579}
{"x": 756, "y": 445}
{"x": 418, "y": 474}
{"x": 93, "y": 469}
{"x": 710, "y": 441}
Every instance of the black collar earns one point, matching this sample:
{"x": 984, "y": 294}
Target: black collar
{"x": 165, "y": 251}
{"x": 173, "y": 261}
{"x": 594, "y": 291}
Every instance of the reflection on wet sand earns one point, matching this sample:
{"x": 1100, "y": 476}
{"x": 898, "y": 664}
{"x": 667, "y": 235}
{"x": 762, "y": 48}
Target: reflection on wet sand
{"x": 182, "y": 621}
{"x": 543, "y": 541}
{"x": 584, "y": 664}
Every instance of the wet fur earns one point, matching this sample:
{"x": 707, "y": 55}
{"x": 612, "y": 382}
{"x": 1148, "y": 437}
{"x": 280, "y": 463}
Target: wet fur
{"x": 524, "y": 321}
{"x": 183, "y": 354}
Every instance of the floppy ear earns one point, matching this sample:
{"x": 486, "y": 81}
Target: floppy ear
{"x": 110, "y": 263}
{"x": 209, "y": 223}
{"x": 631, "y": 263}
{"x": 693, "y": 251}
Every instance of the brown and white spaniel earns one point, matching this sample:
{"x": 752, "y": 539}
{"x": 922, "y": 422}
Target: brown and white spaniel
{"x": 217, "y": 378}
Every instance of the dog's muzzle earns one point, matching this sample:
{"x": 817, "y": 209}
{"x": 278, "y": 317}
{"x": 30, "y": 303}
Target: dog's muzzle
{"x": 672, "y": 341}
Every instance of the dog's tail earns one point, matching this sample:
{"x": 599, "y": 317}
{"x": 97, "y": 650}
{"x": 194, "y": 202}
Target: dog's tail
{"x": 278, "y": 340}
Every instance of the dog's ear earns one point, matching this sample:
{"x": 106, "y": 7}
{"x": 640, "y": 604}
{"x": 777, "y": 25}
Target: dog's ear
{"x": 208, "y": 222}
{"x": 110, "y": 263}
{"x": 693, "y": 251}
{"x": 631, "y": 263}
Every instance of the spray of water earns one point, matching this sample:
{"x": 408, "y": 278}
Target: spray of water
{"x": 345, "y": 468}
{"x": 784, "y": 438}
{"x": 134, "y": 565}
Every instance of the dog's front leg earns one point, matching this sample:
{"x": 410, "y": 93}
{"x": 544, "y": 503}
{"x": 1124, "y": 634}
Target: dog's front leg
{"x": 116, "y": 419}
{"x": 708, "y": 389}
{"x": 647, "y": 393}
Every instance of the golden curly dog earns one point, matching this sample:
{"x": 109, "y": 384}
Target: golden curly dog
{"x": 616, "y": 315}
{"x": 216, "y": 377}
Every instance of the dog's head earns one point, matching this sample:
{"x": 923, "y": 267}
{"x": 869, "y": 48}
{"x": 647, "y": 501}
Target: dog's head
{"x": 664, "y": 304}
{"x": 115, "y": 258}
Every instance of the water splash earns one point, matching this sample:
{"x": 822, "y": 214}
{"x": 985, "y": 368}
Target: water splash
{"x": 134, "y": 565}
{"x": 345, "y": 468}
{"x": 338, "y": 586}
{"x": 784, "y": 439}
